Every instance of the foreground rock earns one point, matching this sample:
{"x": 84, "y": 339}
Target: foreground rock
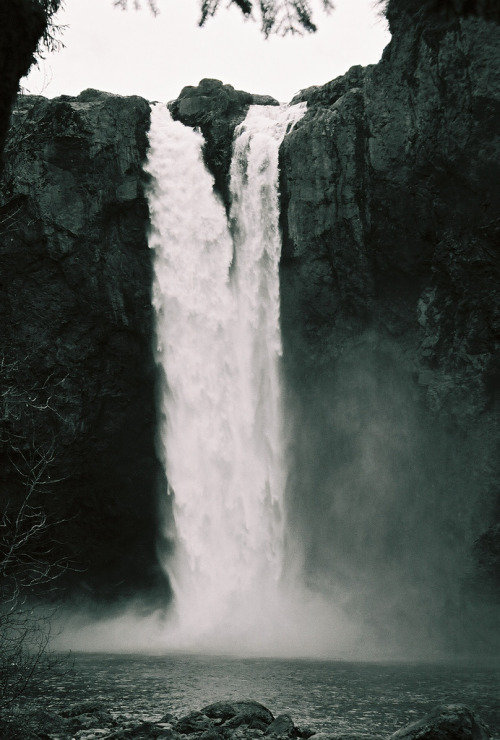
{"x": 235, "y": 714}
{"x": 233, "y": 720}
{"x": 446, "y": 722}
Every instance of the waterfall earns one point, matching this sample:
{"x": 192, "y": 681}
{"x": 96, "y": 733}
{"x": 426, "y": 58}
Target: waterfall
{"x": 216, "y": 298}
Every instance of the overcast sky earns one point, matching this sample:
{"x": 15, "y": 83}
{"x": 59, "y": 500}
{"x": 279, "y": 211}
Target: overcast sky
{"x": 133, "y": 53}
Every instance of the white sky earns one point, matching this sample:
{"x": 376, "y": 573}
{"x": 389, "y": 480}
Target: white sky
{"x": 133, "y": 53}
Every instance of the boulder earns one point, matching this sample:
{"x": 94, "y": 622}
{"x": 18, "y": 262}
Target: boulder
{"x": 194, "y": 722}
{"x": 213, "y": 733}
{"x": 141, "y": 731}
{"x": 234, "y": 714}
{"x": 168, "y": 718}
{"x": 305, "y": 732}
{"x": 220, "y": 711}
{"x": 445, "y": 722}
{"x": 282, "y": 727}
{"x": 36, "y": 723}
{"x": 87, "y": 708}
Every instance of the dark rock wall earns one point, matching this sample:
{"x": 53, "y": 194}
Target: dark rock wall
{"x": 76, "y": 332}
{"x": 390, "y": 311}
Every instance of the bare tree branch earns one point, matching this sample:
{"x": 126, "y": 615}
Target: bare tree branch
{"x": 281, "y": 17}
{"x": 31, "y": 560}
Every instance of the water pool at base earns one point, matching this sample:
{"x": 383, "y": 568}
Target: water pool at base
{"x": 339, "y": 698}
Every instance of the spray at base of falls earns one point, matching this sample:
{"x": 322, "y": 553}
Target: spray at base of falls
{"x": 216, "y": 298}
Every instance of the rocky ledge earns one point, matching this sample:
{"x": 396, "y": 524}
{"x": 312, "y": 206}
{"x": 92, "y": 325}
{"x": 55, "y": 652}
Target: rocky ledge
{"x": 224, "y": 720}
{"x": 216, "y": 109}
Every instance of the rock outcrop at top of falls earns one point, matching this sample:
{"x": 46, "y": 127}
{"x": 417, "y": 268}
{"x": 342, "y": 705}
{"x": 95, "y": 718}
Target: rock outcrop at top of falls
{"x": 216, "y": 109}
{"x": 76, "y": 333}
{"x": 390, "y": 310}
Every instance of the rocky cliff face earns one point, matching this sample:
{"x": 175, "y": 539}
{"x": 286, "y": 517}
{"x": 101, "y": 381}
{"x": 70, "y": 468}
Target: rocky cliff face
{"x": 391, "y": 309}
{"x": 76, "y": 334}
{"x": 391, "y": 248}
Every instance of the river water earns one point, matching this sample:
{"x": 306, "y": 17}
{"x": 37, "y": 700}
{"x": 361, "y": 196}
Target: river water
{"x": 339, "y": 698}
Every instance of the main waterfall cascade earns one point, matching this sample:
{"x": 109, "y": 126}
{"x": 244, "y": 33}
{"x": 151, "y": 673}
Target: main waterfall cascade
{"x": 216, "y": 298}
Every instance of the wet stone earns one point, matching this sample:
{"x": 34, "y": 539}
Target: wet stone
{"x": 85, "y": 707}
{"x": 194, "y": 722}
{"x": 142, "y": 731}
{"x": 168, "y": 733}
{"x": 221, "y": 711}
{"x": 445, "y": 722}
{"x": 282, "y": 726}
{"x": 168, "y": 718}
{"x": 305, "y": 732}
{"x": 241, "y": 711}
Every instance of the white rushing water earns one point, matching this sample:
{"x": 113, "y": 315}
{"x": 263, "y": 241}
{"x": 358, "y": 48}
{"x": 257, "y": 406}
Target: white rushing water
{"x": 216, "y": 298}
